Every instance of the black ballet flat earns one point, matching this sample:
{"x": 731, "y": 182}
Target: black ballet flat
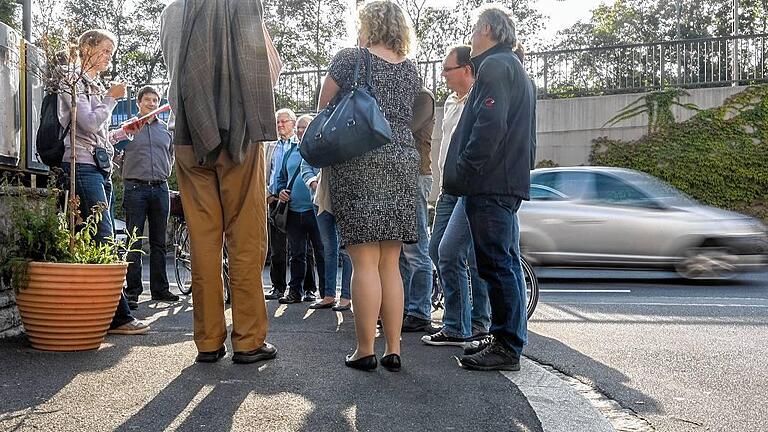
{"x": 391, "y": 362}
{"x": 367, "y": 363}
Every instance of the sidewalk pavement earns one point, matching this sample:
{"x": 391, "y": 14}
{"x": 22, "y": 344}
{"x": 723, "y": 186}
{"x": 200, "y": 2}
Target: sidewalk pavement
{"x": 151, "y": 383}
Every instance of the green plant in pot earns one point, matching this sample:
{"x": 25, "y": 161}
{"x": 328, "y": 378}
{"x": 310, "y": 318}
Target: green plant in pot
{"x": 66, "y": 295}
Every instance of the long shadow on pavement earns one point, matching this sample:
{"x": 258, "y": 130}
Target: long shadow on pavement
{"x": 307, "y": 388}
{"x": 32, "y": 378}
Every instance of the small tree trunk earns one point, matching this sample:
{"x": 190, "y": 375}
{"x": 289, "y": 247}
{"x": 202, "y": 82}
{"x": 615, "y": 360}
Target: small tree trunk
{"x": 73, "y": 208}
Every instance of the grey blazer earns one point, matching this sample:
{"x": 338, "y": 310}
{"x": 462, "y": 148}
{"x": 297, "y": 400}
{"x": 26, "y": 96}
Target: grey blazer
{"x": 223, "y": 86}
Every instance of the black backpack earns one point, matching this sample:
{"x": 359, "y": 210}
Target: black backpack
{"x": 50, "y": 135}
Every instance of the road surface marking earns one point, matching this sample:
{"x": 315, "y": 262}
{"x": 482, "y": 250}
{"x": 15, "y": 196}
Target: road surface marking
{"x": 586, "y": 291}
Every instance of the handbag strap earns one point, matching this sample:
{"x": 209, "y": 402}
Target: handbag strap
{"x": 285, "y": 168}
{"x": 356, "y": 75}
{"x": 293, "y": 178}
{"x": 368, "y": 71}
{"x": 365, "y": 55}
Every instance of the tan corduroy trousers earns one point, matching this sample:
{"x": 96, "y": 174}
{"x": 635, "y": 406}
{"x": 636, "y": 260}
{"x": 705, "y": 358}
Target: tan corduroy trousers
{"x": 226, "y": 201}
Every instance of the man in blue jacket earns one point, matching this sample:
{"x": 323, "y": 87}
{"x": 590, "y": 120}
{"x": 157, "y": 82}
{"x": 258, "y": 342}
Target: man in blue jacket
{"x": 489, "y": 162}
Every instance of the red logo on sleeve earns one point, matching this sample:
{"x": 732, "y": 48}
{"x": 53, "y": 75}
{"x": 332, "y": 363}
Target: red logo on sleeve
{"x": 489, "y": 102}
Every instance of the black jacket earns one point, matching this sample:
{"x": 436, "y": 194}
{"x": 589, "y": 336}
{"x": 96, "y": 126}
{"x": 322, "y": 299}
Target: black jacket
{"x": 493, "y": 147}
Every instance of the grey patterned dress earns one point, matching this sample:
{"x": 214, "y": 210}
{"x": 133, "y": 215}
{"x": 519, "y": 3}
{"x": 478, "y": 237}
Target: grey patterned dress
{"x": 374, "y": 196}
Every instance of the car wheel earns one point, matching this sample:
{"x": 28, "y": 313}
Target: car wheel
{"x": 707, "y": 263}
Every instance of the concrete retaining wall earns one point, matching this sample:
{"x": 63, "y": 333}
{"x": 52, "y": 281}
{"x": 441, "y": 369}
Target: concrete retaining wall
{"x": 566, "y": 127}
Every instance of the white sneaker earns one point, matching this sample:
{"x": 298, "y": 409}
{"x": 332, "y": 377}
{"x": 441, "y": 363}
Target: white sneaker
{"x": 134, "y": 327}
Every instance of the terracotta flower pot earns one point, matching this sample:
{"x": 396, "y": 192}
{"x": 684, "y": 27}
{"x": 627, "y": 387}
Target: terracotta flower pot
{"x": 68, "y": 307}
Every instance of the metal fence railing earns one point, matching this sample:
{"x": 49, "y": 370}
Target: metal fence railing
{"x": 707, "y": 62}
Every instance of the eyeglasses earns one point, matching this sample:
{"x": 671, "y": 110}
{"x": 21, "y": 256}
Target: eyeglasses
{"x": 448, "y": 69}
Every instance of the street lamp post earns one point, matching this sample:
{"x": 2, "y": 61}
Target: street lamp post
{"x": 735, "y": 42}
{"x": 678, "y": 36}
{"x": 26, "y": 10}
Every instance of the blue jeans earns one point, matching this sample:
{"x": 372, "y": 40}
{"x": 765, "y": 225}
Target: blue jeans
{"x": 142, "y": 202}
{"x": 415, "y": 265}
{"x": 467, "y": 309}
{"x": 301, "y": 228}
{"x": 94, "y": 186}
{"x": 496, "y": 236}
{"x": 327, "y": 224}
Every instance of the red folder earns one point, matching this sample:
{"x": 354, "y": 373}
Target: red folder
{"x": 137, "y": 122}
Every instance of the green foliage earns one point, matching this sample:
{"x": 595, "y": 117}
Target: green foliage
{"x": 657, "y": 105}
{"x": 88, "y": 251}
{"x": 40, "y": 232}
{"x": 118, "y": 190}
{"x": 439, "y": 26}
{"x": 36, "y": 226}
{"x": 306, "y": 33}
{"x": 8, "y": 13}
{"x": 546, "y": 163}
{"x": 719, "y": 156}
{"x": 642, "y": 21}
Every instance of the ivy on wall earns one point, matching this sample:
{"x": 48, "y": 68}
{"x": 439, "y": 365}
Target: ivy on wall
{"x": 719, "y": 156}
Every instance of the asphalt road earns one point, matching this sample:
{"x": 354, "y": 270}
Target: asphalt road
{"x": 151, "y": 383}
{"x": 684, "y": 356}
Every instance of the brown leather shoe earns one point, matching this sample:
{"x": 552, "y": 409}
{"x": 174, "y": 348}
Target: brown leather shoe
{"x": 211, "y": 356}
{"x": 266, "y": 352}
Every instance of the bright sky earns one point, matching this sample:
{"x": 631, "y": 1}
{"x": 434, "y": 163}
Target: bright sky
{"x": 562, "y": 13}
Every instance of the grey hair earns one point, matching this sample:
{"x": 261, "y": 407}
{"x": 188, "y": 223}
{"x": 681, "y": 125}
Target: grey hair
{"x": 289, "y": 112}
{"x": 501, "y": 22}
{"x": 307, "y": 117}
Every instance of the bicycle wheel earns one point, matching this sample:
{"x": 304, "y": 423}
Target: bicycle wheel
{"x": 225, "y": 276}
{"x": 182, "y": 259}
{"x": 531, "y": 288}
{"x": 437, "y": 292}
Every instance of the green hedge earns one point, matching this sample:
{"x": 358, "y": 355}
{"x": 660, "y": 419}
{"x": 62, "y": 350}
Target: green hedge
{"x": 719, "y": 156}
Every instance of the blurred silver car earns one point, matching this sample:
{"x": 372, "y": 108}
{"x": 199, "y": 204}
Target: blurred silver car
{"x": 620, "y": 218}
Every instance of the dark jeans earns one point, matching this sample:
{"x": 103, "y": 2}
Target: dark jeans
{"x": 94, "y": 186}
{"x": 278, "y": 260}
{"x": 142, "y": 202}
{"x": 496, "y": 237}
{"x": 302, "y": 228}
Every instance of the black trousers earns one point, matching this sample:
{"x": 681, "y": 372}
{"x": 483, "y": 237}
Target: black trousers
{"x": 278, "y": 256}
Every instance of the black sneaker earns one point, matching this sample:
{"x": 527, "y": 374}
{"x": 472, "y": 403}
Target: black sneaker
{"x": 477, "y": 345}
{"x": 309, "y": 297}
{"x": 289, "y": 298}
{"x": 441, "y": 338}
{"x": 274, "y": 294}
{"x": 166, "y": 296}
{"x": 433, "y": 329}
{"x": 133, "y": 304}
{"x": 492, "y": 358}
{"x": 412, "y": 324}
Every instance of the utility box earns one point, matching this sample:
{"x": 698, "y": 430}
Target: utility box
{"x": 10, "y": 98}
{"x": 34, "y": 85}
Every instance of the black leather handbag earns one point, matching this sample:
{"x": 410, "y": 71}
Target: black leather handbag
{"x": 278, "y": 216}
{"x": 352, "y": 126}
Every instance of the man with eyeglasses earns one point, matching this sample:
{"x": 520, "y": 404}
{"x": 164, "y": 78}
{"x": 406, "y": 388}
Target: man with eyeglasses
{"x": 466, "y": 317}
{"x": 285, "y": 120}
{"x": 488, "y": 164}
